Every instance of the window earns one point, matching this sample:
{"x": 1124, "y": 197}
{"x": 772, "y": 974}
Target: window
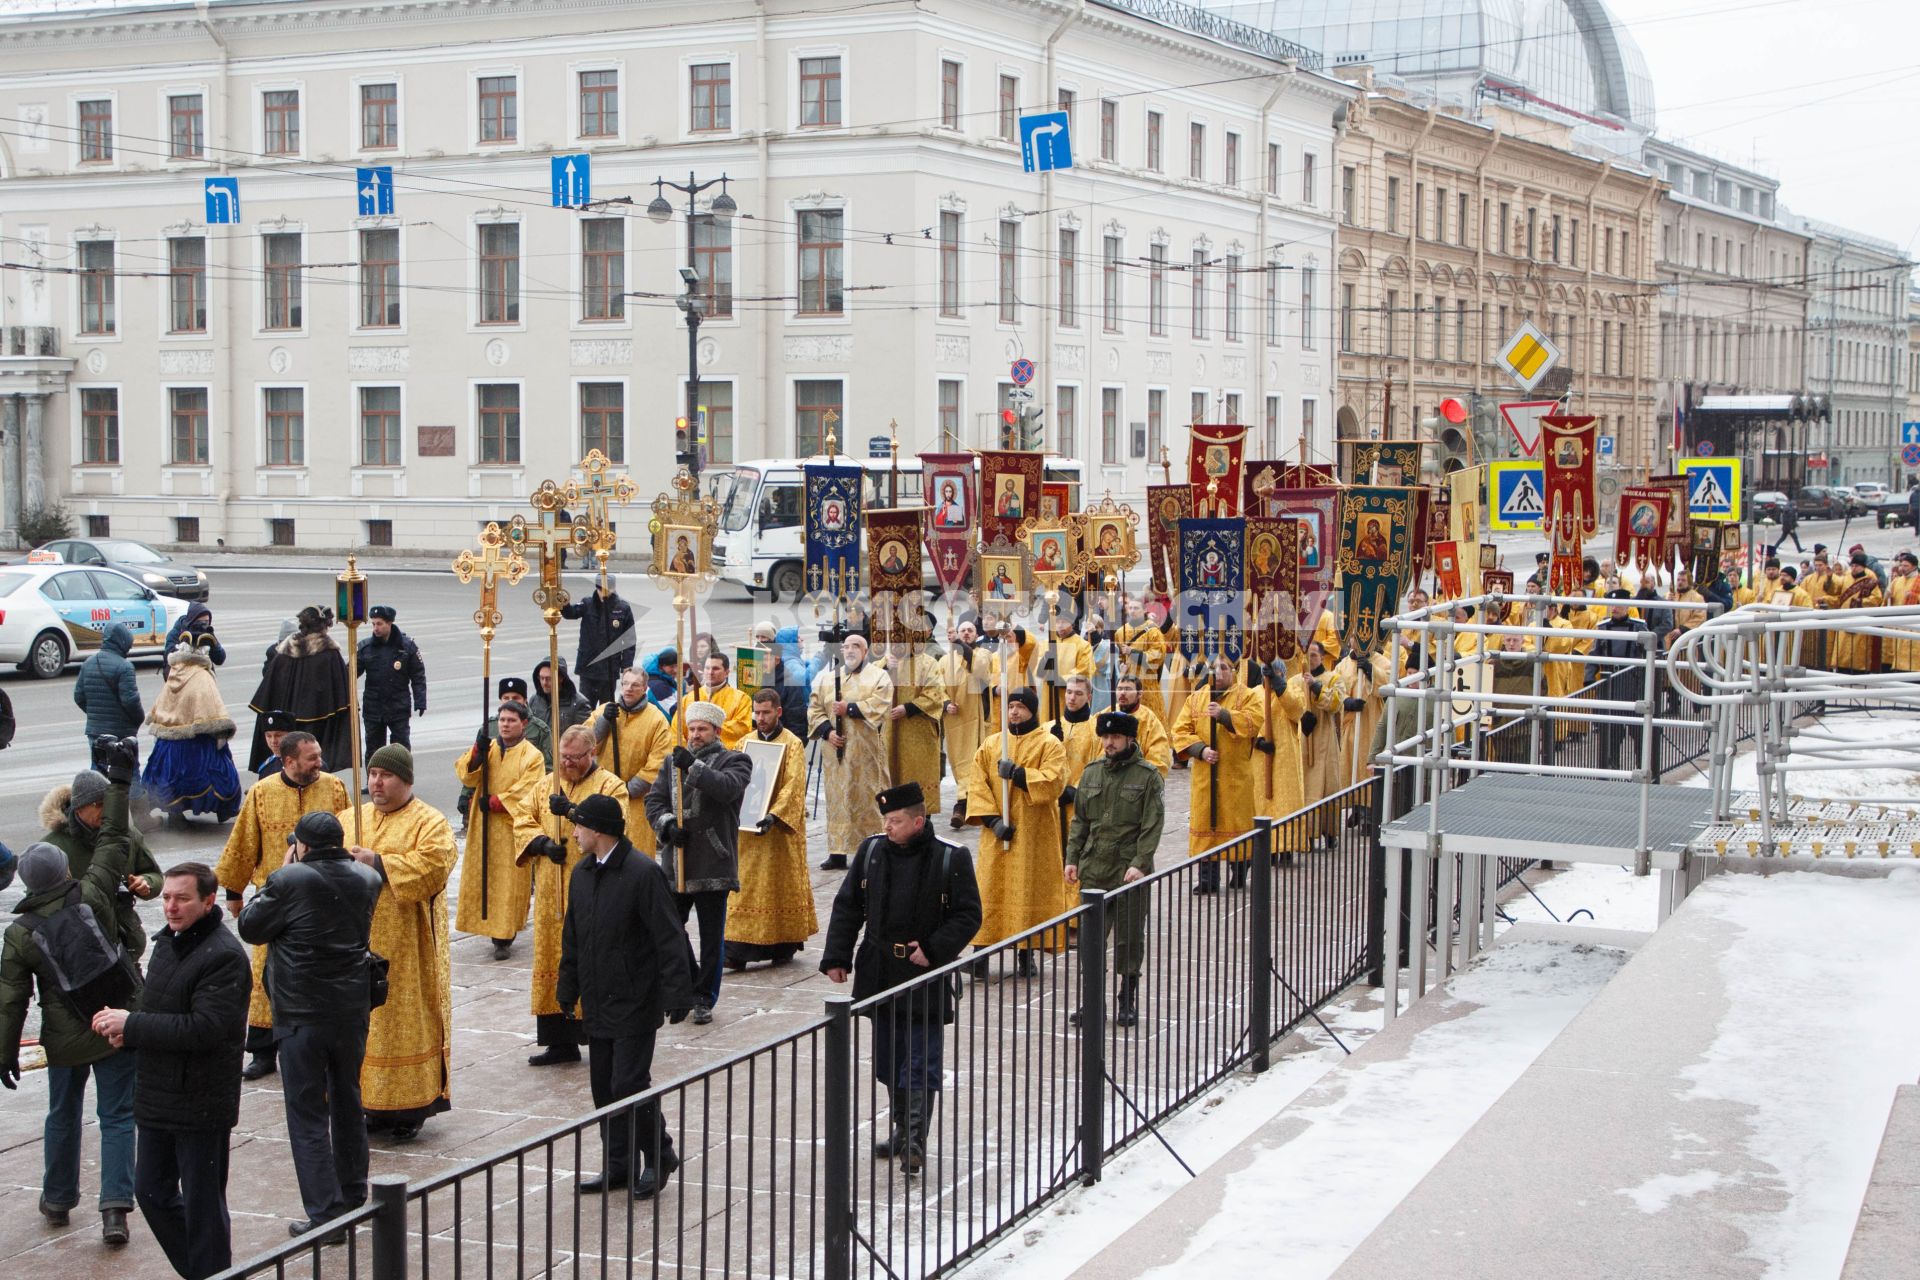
{"x": 1309, "y": 326}
{"x": 713, "y": 263}
{"x": 1198, "y": 272}
{"x": 1110, "y": 426}
{"x": 499, "y": 423}
{"x": 96, "y": 131}
{"x": 1391, "y": 322}
{"x": 1347, "y": 193}
{"x": 1109, "y": 130}
{"x": 1460, "y": 221}
{"x": 1197, "y": 407}
{"x": 380, "y": 278}
{"x": 1009, "y": 271}
{"x": 1156, "y": 423}
{"x": 949, "y": 263}
{"x": 1573, "y": 242}
{"x": 1232, "y": 321}
{"x": 1346, "y": 317}
{"x": 379, "y": 533}
{"x": 819, "y": 93}
{"x": 603, "y": 419}
{"x": 186, "y": 528}
{"x": 1393, "y": 204}
{"x": 1533, "y": 220}
{"x": 1420, "y": 210}
{"x": 1155, "y": 157}
{"x": 822, "y": 282}
{"x": 280, "y": 129}
{"x": 1066, "y": 405}
{"x": 1069, "y": 279}
{"x": 1009, "y": 108}
{"x": 380, "y": 426}
{"x": 99, "y": 426}
{"x": 603, "y": 269}
{"x": 1273, "y": 426}
{"x": 949, "y": 411}
{"x": 97, "y": 308}
{"x": 1506, "y": 222}
{"x": 186, "y": 126}
{"x": 499, "y": 108}
{"x": 284, "y": 281}
{"x": 1440, "y": 215}
{"x": 1308, "y": 407}
{"x": 712, "y": 84}
{"x": 1556, "y": 237}
{"x": 813, "y": 400}
{"x": 718, "y": 399}
{"x": 1306, "y": 178}
{"x": 1233, "y": 159}
{"x": 500, "y": 273}
{"x": 1233, "y": 408}
{"x": 1273, "y": 168}
{"x": 1271, "y": 279}
{"x": 949, "y": 94}
{"x": 1459, "y": 329}
{"x": 286, "y": 426}
{"x": 1067, "y": 99}
{"x": 279, "y": 531}
{"x": 1157, "y": 291}
{"x": 1110, "y": 280}
{"x": 379, "y": 117}
{"x": 599, "y": 104}
{"x": 187, "y": 285}
{"x": 1196, "y": 151}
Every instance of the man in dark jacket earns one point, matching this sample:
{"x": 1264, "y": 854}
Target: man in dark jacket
{"x": 623, "y": 958}
{"x": 197, "y": 621}
{"x": 106, "y": 691}
{"x": 790, "y": 680}
{"x": 1623, "y": 683}
{"x": 560, "y": 714}
{"x": 700, "y": 850}
{"x": 66, "y": 1035}
{"x": 1118, "y": 811}
{"x": 396, "y": 688}
{"x": 72, "y": 816}
{"x": 909, "y": 903}
{"x": 317, "y": 913}
{"x": 189, "y": 1030}
{"x": 606, "y": 638}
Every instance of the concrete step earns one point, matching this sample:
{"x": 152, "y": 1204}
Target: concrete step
{"x": 1886, "y": 1239}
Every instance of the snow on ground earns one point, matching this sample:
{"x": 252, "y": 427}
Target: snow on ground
{"x": 1814, "y": 1073}
{"x": 1838, "y": 727}
{"x": 1589, "y": 894}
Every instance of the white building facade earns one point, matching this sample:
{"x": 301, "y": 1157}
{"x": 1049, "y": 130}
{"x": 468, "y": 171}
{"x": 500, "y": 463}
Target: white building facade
{"x": 314, "y": 375}
{"x": 1856, "y": 344}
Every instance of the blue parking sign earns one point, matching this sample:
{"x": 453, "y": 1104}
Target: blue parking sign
{"x": 1046, "y": 142}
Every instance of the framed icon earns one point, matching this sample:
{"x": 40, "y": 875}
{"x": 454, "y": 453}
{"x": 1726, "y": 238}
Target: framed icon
{"x": 681, "y": 550}
{"x": 1002, "y": 580}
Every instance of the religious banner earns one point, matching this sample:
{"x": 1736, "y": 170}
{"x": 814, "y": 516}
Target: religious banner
{"x": 1571, "y": 518}
{"x": 1674, "y": 545}
{"x": 1463, "y": 523}
{"x": 1422, "y": 531}
{"x": 1706, "y": 540}
{"x": 1010, "y": 489}
{"x": 1387, "y": 463}
{"x": 1641, "y": 533}
{"x": 1167, "y": 505}
{"x": 833, "y": 531}
{"x": 1213, "y": 583}
{"x": 1316, "y": 511}
{"x": 1375, "y": 562}
{"x": 1056, "y": 497}
{"x": 1307, "y": 475}
{"x": 952, "y": 516}
{"x": 1262, "y": 481}
{"x": 1213, "y": 467}
{"x": 894, "y": 574}
{"x": 751, "y": 668}
{"x": 1448, "y": 576}
{"x": 1273, "y": 584}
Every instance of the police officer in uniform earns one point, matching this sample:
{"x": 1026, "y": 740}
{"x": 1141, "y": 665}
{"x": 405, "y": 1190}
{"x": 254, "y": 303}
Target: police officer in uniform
{"x": 396, "y": 677}
{"x": 1117, "y": 816}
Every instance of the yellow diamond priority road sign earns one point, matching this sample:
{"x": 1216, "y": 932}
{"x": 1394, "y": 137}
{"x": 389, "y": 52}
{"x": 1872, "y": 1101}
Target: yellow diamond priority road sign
{"x": 1528, "y": 355}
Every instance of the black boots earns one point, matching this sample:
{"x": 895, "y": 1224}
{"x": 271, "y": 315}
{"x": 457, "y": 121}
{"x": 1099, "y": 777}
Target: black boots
{"x": 1126, "y": 1008}
{"x": 959, "y": 817}
{"x": 1237, "y": 875}
{"x": 1025, "y": 965}
{"x": 896, "y": 1140}
{"x": 920, "y": 1106}
{"x": 835, "y": 862}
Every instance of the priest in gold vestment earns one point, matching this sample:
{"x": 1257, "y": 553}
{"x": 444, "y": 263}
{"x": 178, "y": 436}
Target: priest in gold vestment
{"x": 737, "y": 705}
{"x": 634, "y": 739}
{"x": 971, "y": 672}
{"x": 503, "y": 816}
{"x": 1215, "y": 730}
{"x": 913, "y": 721}
{"x": 771, "y": 915}
{"x": 847, "y": 713}
{"x": 1020, "y": 866}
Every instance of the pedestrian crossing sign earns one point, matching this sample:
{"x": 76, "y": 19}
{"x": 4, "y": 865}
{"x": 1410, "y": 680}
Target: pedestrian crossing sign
{"x": 1519, "y": 494}
{"x": 1713, "y": 488}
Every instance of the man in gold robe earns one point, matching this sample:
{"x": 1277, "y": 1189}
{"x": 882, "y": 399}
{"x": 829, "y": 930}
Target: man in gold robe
{"x": 1215, "y": 731}
{"x": 737, "y": 705}
{"x": 1068, "y": 655}
{"x": 1776, "y": 586}
{"x": 1318, "y": 690}
{"x": 505, "y": 775}
{"x": 1361, "y": 706}
{"x": 1852, "y": 652}
{"x": 970, "y": 672}
{"x": 1074, "y": 729}
{"x": 553, "y": 854}
{"x": 848, "y": 712}
{"x": 913, "y": 721}
{"x": 1278, "y": 788}
{"x": 1021, "y": 871}
{"x": 1151, "y": 738}
{"x": 407, "y": 1073}
{"x": 257, "y": 847}
{"x": 634, "y": 740}
{"x": 771, "y": 915}
{"x": 1143, "y": 654}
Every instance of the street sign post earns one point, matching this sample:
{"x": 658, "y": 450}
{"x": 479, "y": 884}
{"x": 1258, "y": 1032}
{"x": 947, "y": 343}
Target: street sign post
{"x": 1523, "y": 419}
{"x": 1528, "y": 356}
{"x": 1020, "y": 397}
{"x": 1519, "y": 494}
{"x": 1713, "y": 488}
{"x": 223, "y": 201}
{"x": 375, "y": 190}
{"x": 1045, "y": 142}
{"x": 1910, "y": 433}
{"x": 572, "y": 178}
{"x": 1606, "y": 448}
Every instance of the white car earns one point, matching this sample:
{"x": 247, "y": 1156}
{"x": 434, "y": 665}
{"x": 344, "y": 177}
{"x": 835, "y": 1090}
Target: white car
{"x": 53, "y": 614}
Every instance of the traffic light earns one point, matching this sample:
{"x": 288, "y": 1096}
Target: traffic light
{"x": 682, "y": 442}
{"x": 1456, "y": 442}
{"x": 1033, "y": 433}
{"x": 1009, "y": 428}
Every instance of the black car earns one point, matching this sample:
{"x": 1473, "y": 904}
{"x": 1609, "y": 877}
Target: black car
{"x": 138, "y": 561}
{"x": 1817, "y": 502}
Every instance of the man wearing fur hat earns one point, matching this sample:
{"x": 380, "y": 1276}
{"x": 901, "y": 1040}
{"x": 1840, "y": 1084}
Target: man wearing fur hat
{"x": 306, "y": 676}
{"x": 1117, "y": 816}
{"x": 396, "y": 682}
{"x": 71, "y": 816}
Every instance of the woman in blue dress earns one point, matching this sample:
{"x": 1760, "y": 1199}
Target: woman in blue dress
{"x": 190, "y": 769}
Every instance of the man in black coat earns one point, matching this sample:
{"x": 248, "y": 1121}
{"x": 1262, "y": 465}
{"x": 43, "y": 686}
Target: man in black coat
{"x": 396, "y": 677}
{"x": 317, "y": 912}
{"x": 1623, "y": 683}
{"x": 606, "y": 638}
{"x": 704, "y": 841}
{"x": 189, "y": 1032}
{"x": 909, "y": 904}
{"x": 623, "y": 957}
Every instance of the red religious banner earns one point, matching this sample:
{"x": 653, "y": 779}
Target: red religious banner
{"x": 893, "y": 574}
{"x": 1570, "y": 515}
{"x": 1641, "y": 534}
{"x": 1213, "y": 467}
{"x": 1167, "y": 505}
{"x": 1306, "y": 475}
{"x": 1314, "y": 509}
{"x": 1010, "y": 489}
{"x": 1675, "y": 543}
{"x": 952, "y": 515}
{"x": 1056, "y": 499}
{"x": 1261, "y": 482}
{"x": 1446, "y": 571}
{"x": 1273, "y": 584}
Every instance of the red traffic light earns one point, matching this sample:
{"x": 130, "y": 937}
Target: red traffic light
{"x": 1453, "y": 411}
{"x": 1009, "y": 417}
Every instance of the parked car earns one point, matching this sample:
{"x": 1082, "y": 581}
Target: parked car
{"x": 1818, "y": 502}
{"x": 1768, "y": 505}
{"x": 1870, "y": 492}
{"x": 53, "y": 614}
{"x": 138, "y": 561}
{"x": 1891, "y": 510}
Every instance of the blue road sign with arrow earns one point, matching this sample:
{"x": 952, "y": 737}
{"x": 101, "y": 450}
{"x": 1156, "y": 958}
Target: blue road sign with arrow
{"x": 375, "y": 190}
{"x": 1045, "y": 142}
{"x": 1910, "y": 433}
{"x": 572, "y": 180}
{"x": 223, "y": 201}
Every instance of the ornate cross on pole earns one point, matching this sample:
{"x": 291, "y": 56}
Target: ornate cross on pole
{"x": 828, "y": 419}
{"x": 598, "y": 494}
{"x": 497, "y": 558}
{"x": 552, "y": 536}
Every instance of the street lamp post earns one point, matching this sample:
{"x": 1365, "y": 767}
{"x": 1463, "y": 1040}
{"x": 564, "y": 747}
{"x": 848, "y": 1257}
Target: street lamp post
{"x": 723, "y": 208}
